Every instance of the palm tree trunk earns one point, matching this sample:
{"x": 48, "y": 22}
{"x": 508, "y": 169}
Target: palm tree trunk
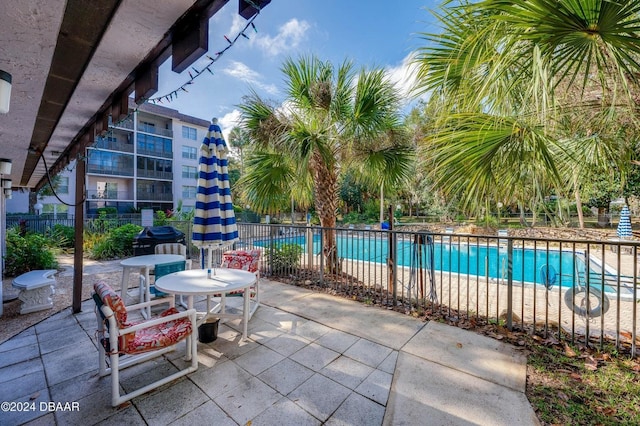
{"x": 325, "y": 181}
{"x": 579, "y": 208}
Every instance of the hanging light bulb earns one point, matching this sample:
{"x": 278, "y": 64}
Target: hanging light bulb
{"x": 5, "y": 91}
{"x": 5, "y": 166}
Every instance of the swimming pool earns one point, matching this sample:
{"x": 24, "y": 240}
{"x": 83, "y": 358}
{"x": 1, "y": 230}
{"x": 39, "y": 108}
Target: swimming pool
{"x": 456, "y": 258}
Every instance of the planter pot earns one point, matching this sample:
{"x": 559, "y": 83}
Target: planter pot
{"x": 208, "y": 331}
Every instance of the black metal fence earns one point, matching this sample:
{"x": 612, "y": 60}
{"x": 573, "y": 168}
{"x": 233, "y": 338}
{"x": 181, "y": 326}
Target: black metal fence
{"x": 580, "y": 291}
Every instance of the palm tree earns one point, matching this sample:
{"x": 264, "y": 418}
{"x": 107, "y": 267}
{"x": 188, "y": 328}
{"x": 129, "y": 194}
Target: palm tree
{"x": 332, "y": 120}
{"x": 239, "y": 139}
{"x": 508, "y": 75}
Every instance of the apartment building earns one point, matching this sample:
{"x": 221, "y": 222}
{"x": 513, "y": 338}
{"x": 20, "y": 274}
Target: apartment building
{"x": 148, "y": 160}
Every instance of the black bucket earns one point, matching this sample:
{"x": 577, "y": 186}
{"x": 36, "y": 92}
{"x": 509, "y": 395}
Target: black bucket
{"x": 208, "y": 331}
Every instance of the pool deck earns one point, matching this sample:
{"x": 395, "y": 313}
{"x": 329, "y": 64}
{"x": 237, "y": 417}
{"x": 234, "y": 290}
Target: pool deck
{"x": 310, "y": 359}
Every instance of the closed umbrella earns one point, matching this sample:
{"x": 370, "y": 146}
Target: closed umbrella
{"x": 624, "y": 225}
{"x": 214, "y": 222}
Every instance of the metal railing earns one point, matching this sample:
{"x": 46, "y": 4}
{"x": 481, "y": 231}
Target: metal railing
{"x": 145, "y": 173}
{"x": 580, "y": 291}
{"x": 108, "y": 194}
{"x": 154, "y": 196}
{"x": 154, "y": 152}
{"x": 104, "y": 170}
{"x": 113, "y": 145}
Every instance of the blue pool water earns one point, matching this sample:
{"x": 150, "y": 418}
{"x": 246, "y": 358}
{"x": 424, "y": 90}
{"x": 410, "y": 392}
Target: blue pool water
{"x": 454, "y": 258}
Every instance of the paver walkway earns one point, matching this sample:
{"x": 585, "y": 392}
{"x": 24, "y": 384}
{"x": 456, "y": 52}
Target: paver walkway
{"x": 310, "y": 359}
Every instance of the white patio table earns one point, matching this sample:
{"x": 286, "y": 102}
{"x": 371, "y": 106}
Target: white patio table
{"x": 143, "y": 264}
{"x": 194, "y": 282}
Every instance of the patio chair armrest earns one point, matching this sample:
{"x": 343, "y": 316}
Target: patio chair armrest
{"x": 190, "y": 313}
{"x": 138, "y": 306}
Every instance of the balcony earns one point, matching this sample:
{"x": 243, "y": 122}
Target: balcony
{"x": 154, "y": 196}
{"x": 108, "y": 195}
{"x": 143, "y": 173}
{"x": 154, "y": 152}
{"x": 111, "y": 171}
{"x": 124, "y": 124}
{"x": 167, "y": 133}
{"x": 114, "y": 145}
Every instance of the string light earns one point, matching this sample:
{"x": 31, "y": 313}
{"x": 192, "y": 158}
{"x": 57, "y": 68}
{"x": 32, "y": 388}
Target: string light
{"x": 173, "y": 95}
{"x": 212, "y": 59}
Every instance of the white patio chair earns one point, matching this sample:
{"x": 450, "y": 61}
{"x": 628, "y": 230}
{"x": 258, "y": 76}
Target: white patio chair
{"x": 247, "y": 260}
{"x": 139, "y": 342}
{"x": 174, "y": 248}
{"x": 148, "y": 292}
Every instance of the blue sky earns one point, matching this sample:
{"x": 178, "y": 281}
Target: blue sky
{"x": 369, "y": 33}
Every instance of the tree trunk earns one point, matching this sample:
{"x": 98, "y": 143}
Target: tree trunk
{"x": 325, "y": 182}
{"x": 523, "y": 219}
{"x": 579, "y": 208}
{"x": 603, "y": 219}
{"x": 33, "y": 200}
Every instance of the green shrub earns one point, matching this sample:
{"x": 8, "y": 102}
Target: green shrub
{"x": 103, "y": 223}
{"x": 27, "y": 253}
{"x": 63, "y": 236}
{"x": 114, "y": 244}
{"x": 107, "y": 211}
{"x": 285, "y": 257}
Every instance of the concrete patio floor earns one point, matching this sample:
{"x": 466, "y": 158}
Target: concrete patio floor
{"x": 310, "y": 359}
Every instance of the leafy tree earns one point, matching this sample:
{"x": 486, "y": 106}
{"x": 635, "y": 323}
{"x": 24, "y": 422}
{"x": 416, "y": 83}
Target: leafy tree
{"x": 333, "y": 119}
{"x": 522, "y": 87}
{"x": 239, "y": 139}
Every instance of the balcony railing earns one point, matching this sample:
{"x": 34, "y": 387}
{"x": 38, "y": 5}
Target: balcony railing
{"x": 114, "y": 146}
{"x": 155, "y": 153}
{"x": 154, "y": 196}
{"x": 103, "y": 170}
{"x": 167, "y": 133}
{"x": 108, "y": 195}
{"x": 124, "y": 124}
{"x": 155, "y": 174}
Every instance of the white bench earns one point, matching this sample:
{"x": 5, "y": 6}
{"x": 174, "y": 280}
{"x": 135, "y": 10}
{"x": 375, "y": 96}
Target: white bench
{"x": 36, "y": 289}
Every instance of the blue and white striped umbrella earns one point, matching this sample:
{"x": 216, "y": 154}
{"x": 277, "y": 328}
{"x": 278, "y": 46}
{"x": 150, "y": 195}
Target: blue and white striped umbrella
{"x": 624, "y": 224}
{"x": 214, "y": 222}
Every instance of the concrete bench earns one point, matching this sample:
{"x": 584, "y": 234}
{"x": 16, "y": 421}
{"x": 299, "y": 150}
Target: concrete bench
{"x": 36, "y": 289}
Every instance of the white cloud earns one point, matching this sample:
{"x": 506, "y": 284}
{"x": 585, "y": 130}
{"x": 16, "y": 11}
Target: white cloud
{"x": 289, "y": 37}
{"x": 228, "y": 122}
{"x": 404, "y": 76}
{"x": 242, "y": 72}
{"x": 237, "y": 25}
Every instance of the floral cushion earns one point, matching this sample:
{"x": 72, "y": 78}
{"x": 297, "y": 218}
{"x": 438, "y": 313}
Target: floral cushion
{"x": 160, "y": 335}
{"x": 113, "y": 301}
{"x": 247, "y": 260}
{"x": 146, "y": 339}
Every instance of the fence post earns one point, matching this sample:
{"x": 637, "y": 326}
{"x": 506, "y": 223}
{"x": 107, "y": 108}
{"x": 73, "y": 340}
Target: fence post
{"x": 309, "y": 240}
{"x": 510, "y": 284}
{"x": 321, "y": 256}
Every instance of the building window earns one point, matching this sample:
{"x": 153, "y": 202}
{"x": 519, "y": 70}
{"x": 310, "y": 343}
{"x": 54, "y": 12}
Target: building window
{"x": 189, "y": 172}
{"x": 108, "y": 190}
{"x": 110, "y": 163}
{"x": 63, "y": 185}
{"x": 154, "y": 145}
{"x": 189, "y": 133}
{"x": 189, "y": 152}
{"x": 145, "y": 126}
{"x": 188, "y": 192}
